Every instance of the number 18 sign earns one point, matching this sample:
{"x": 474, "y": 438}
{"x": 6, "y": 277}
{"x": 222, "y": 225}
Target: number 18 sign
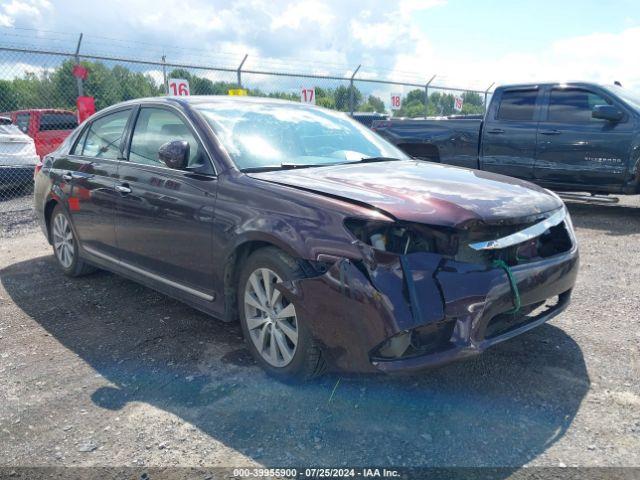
{"x": 396, "y": 101}
{"x": 178, "y": 87}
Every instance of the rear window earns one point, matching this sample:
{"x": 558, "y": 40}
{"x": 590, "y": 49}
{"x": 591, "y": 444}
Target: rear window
{"x": 58, "y": 121}
{"x": 517, "y": 105}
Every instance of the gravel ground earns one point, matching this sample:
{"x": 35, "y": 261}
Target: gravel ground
{"x": 102, "y": 371}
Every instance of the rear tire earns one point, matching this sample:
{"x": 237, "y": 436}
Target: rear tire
{"x": 276, "y": 334}
{"x": 65, "y": 245}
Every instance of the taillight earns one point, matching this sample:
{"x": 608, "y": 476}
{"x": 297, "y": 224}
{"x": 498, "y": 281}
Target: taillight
{"x": 37, "y": 168}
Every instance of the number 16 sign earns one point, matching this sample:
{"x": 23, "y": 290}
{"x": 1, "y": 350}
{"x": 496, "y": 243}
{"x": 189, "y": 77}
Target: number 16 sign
{"x": 178, "y": 87}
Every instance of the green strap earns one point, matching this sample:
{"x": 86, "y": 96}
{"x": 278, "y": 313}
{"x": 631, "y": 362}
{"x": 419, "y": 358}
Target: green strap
{"x": 514, "y": 286}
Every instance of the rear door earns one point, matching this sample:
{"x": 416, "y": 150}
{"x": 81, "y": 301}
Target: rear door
{"x": 575, "y": 149}
{"x": 165, "y": 216}
{"x": 509, "y": 135}
{"x": 88, "y": 176}
{"x": 53, "y": 128}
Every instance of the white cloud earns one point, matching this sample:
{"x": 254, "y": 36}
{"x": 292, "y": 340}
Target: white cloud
{"x": 26, "y": 11}
{"x": 308, "y": 11}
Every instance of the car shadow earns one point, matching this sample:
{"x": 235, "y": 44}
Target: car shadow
{"x": 503, "y": 408}
{"x": 615, "y": 219}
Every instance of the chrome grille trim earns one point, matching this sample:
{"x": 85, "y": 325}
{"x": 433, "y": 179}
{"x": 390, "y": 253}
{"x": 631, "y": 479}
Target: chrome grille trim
{"x": 523, "y": 235}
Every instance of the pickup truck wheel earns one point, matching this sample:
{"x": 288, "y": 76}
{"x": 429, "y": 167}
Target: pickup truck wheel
{"x": 65, "y": 245}
{"x": 276, "y": 334}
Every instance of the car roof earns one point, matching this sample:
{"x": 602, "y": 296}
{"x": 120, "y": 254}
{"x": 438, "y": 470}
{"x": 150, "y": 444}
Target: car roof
{"x": 547, "y": 84}
{"x": 205, "y": 99}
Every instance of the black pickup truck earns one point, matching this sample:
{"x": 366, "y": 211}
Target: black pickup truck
{"x": 564, "y": 136}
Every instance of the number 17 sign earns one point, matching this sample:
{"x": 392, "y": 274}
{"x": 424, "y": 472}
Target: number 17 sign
{"x": 308, "y": 95}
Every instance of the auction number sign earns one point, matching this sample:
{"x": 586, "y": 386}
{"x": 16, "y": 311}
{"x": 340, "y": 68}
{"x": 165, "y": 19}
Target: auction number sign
{"x": 308, "y": 95}
{"x": 457, "y": 104}
{"x": 179, "y": 87}
{"x": 396, "y": 101}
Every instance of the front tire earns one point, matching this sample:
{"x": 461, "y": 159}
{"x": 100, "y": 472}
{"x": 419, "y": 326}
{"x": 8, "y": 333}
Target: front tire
{"x": 276, "y": 334}
{"x": 65, "y": 245}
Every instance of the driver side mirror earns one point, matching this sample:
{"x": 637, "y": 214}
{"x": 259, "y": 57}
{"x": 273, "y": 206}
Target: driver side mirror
{"x": 175, "y": 154}
{"x": 607, "y": 112}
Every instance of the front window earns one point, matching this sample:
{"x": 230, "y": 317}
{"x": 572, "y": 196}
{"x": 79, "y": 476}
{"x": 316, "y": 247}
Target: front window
{"x": 265, "y": 135}
{"x": 572, "y": 105}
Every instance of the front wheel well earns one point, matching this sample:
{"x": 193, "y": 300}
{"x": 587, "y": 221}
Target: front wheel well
{"x": 233, "y": 267}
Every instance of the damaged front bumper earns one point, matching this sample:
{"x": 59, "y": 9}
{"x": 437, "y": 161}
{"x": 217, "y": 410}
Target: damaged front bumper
{"x": 447, "y": 309}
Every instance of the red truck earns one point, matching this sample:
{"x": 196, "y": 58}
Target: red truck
{"x": 48, "y": 127}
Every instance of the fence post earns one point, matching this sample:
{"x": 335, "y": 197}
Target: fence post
{"x": 165, "y": 81}
{"x": 239, "y": 72}
{"x": 78, "y": 79}
{"x": 351, "y": 92}
{"x": 485, "y": 95}
{"x": 426, "y": 97}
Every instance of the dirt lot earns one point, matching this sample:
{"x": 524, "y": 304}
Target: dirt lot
{"x": 102, "y": 371}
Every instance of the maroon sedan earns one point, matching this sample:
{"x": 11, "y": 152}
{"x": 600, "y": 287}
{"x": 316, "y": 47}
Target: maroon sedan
{"x": 329, "y": 245}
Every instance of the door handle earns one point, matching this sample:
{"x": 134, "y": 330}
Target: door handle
{"x": 124, "y": 188}
{"x": 495, "y": 130}
{"x": 550, "y": 132}
{"x": 67, "y": 177}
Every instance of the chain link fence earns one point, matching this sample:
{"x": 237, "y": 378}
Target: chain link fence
{"x": 39, "y": 90}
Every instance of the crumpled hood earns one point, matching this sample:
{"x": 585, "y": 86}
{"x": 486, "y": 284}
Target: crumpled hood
{"x": 424, "y": 192}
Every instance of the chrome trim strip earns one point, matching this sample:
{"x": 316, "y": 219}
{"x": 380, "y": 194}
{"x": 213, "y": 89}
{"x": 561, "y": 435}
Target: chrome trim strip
{"x": 153, "y": 276}
{"x": 523, "y": 235}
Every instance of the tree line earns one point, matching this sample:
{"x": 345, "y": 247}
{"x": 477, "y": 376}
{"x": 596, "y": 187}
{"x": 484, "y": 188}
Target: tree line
{"x": 109, "y": 85}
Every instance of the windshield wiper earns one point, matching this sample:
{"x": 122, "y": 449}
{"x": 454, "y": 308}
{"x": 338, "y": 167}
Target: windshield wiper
{"x": 377, "y": 159}
{"x": 294, "y": 166}
{"x": 282, "y": 166}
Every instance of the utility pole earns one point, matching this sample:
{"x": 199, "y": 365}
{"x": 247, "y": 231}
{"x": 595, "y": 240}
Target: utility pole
{"x": 485, "y": 95}
{"x": 78, "y": 79}
{"x": 351, "y": 91}
{"x": 165, "y": 81}
{"x": 239, "y": 71}
{"x": 426, "y": 97}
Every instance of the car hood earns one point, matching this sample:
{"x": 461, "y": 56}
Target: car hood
{"x": 425, "y": 192}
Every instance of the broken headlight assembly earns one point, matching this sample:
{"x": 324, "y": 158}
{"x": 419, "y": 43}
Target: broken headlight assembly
{"x": 403, "y": 238}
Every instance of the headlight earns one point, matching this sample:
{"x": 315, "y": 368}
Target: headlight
{"x": 403, "y": 238}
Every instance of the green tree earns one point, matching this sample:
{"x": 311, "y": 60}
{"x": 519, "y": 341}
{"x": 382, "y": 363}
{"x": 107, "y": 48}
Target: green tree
{"x": 373, "y": 104}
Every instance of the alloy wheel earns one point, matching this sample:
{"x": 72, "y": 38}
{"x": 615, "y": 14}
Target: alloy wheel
{"x": 63, "y": 241}
{"x": 271, "y": 319}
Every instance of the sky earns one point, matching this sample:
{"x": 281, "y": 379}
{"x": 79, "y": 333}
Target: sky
{"x": 465, "y": 43}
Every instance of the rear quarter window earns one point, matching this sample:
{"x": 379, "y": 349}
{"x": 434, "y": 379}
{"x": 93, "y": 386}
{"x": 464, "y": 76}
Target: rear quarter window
{"x": 58, "y": 121}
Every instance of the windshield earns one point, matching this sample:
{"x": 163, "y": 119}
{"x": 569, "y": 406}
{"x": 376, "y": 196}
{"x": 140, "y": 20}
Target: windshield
{"x": 632, "y": 99}
{"x": 263, "y": 135}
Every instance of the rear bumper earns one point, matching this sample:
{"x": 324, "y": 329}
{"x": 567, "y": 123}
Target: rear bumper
{"x": 15, "y": 176}
{"x": 459, "y": 309}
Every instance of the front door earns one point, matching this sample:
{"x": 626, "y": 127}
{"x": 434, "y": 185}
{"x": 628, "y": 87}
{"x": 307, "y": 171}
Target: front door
{"x": 165, "y": 216}
{"x": 88, "y": 176}
{"x": 577, "y": 150}
{"x": 509, "y": 137}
